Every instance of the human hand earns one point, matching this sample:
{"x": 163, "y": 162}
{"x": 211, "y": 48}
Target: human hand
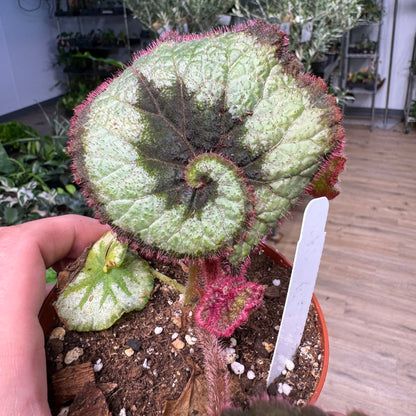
{"x": 26, "y": 251}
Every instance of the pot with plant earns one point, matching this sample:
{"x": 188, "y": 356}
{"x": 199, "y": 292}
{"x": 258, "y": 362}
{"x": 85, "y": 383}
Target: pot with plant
{"x": 192, "y": 154}
{"x": 35, "y": 174}
{"x": 365, "y": 78}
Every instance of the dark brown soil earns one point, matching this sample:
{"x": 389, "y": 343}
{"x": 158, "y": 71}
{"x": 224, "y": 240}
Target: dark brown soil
{"x": 142, "y": 370}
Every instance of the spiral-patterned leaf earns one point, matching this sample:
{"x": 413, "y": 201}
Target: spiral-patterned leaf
{"x": 204, "y": 143}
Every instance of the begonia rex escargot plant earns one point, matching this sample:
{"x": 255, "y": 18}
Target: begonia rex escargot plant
{"x": 194, "y": 153}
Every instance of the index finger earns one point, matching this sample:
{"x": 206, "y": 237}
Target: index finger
{"x": 63, "y": 237}
{"x": 27, "y": 249}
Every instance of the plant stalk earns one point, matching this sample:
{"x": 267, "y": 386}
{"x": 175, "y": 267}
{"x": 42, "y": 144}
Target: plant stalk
{"x": 171, "y": 282}
{"x": 192, "y": 283}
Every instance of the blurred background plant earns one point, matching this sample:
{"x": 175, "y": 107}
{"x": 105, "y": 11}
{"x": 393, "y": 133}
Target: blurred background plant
{"x": 412, "y": 112}
{"x": 85, "y": 71}
{"x": 35, "y": 174}
{"x": 371, "y": 10}
{"x": 365, "y": 78}
{"x": 184, "y": 16}
{"x": 312, "y": 26}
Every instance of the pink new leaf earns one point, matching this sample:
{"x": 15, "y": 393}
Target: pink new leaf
{"x": 227, "y": 303}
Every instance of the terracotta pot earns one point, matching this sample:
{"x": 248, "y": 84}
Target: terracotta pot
{"x": 49, "y": 319}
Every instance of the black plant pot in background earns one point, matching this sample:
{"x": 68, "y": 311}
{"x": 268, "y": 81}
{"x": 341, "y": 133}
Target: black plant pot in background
{"x": 318, "y": 66}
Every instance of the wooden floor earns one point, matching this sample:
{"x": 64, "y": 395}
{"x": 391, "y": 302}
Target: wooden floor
{"x": 367, "y": 280}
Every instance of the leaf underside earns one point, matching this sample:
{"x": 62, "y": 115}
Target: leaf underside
{"x": 203, "y": 144}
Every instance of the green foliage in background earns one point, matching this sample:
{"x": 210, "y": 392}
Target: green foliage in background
{"x": 328, "y": 20}
{"x": 183, "y": 16}
{"x": 85, "y": 71}
{"x": 371, "y": 10}
{"x": 413, "y": 109}
{"x": 35, "y": 174}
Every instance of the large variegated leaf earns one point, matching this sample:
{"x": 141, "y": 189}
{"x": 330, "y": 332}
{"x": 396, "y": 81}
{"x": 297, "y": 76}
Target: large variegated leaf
{"x": 204, "y": 143}
{"x": 113, "y": 281}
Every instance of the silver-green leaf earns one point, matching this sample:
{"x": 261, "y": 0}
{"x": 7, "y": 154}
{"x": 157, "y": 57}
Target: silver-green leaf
{"x": 204, "y": 143}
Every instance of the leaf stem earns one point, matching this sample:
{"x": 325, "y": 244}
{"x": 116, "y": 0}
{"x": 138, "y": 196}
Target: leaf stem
{"x": 191, "y": 285}
{"x": 165, "y": 279}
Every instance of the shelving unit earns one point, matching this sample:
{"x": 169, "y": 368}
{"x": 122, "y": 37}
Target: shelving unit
{"x": 85, "y": 14}
{"x": 80, "y": 18}
{"x": 410, "y": 94}
{"x": 357, "y": 74}
{"x": 355, "y": 55}
{"x": 95, "y": 36}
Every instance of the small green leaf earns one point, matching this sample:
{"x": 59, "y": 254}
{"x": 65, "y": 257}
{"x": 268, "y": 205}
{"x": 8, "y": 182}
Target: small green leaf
{"x": 115, "y": 252}
{"x": 10, "y": 215}
{"x": 71, "y": 189}
{"x": 112, "y": 282}
{"x": 51, "y": 276}
{"x": 5, "y": 165}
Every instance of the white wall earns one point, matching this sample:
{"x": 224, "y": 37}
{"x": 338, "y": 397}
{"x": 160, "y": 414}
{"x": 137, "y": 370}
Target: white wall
{"x": 27, "y": 51}
{"x": 402, "y": 52}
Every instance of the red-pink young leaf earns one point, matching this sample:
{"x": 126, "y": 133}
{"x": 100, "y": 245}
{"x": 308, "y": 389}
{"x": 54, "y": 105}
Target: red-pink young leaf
{"x": 325, "y": 182}
{"x": 227, "y": 303}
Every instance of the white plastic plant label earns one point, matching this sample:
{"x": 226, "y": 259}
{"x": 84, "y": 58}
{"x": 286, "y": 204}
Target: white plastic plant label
{"x": 302, "y": 284}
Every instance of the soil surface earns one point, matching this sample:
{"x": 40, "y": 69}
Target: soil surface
{"x": 148, "y": 357}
